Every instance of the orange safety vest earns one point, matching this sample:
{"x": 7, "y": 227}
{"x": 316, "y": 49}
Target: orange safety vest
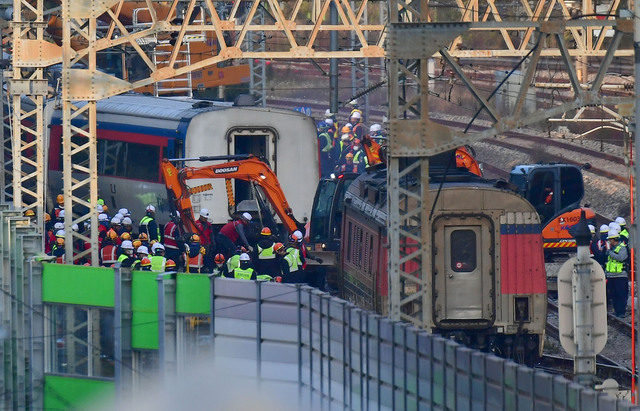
{"x": 109, "y": 254}
{"x": 194, "y": 264}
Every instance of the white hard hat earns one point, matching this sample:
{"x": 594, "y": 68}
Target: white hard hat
{"x": 119, "y": 216}
{"x": 58, "y": 226}
{"x": 375, "y": 127}
{"x": 61, "y": 233}
{"x": 328, "y": 113}
{"x": 204, "y": 213}
{"x": 621, "y": 221}
{"x": 244, "y": 257}
{"x": 604, "y": 228}
{"x": 354, "y": 102}
{"x": 61, "y": 214}
{"x": 127, "y": 221}
{"x": 592, "y": 229}
{"x": 143, "y": 249}
{"x": 103, "y": 217}
{"x": 329, "y": 121}
{"x": 156, "y": 246}
{"x": 297, "y": 234}
{"x": 356, "y": 114}
{"x": 614, "y": 226}
{"x": 127, "y": 244}
{"x": 349, "y": 125}
{"x": 151, "y": 208}
{"x": 344, "y": 137}
{"x": 613, "y": 234}
{"x": 247, "y": 216}
{"x": 99, "y": 208}
{"x": 124, "y": 212}
{"x": 75, "y": 227}
{"x": 115, "y": 220}
{"x": 177, "y": 213}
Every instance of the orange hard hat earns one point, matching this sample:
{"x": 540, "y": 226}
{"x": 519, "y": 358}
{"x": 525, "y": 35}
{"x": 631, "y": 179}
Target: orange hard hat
{"x": 105, "y": 209}
{"x": 277, "y": 246}
{"x": 265, "y": 231}
{"x": 195, "y": 238}
{"x": 219, "y": 259}
{"x": 125, "y": 236}
{"x": 145, "y": 262}
{"x": 60, "y": 199}
{"x": 112, "y": 234}
{"x": 345, "y": 129}
{"x": 349, "y": 155}
{"x": 47, "y": 217}
{"x": 143, "y": 237}
{"x": 29, "y": 213}
{"x": 136, "y": 244}
{"x": 60, "y": 241}
{"x": 170, "y": 264}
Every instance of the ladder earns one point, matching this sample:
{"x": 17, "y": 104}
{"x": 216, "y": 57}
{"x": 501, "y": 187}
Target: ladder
{"x": 181, "y": 85}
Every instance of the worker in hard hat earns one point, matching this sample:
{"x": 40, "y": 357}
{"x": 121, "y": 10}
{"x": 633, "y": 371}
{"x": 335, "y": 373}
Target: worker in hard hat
{"x": 325, "y": 147}
{"x": 148, "y": 224}
{"x": 359, "y": 156}
{"x": 172, "y": 238}
{"x": 624, "y": 234}
{"x": 194, "y": 255}
{"x": 58, "y": 248}
{"x": 220, "y": 268}
{"x": 233, "y": 233}
{"x": 358, "y": 127}
{"x": 158, "y": 260}
{"x": 265, "y": 255}
{"x": 330, "y": 119}
{"x": 616, "y": 274}
{"x": 245, "y": 271}
{"x": 340, "y": 151}
{"x": 127, "y": 258}
{"x": 58, "y": 207}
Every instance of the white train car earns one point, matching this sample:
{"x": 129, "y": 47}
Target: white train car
{"x": 136, "y": 131}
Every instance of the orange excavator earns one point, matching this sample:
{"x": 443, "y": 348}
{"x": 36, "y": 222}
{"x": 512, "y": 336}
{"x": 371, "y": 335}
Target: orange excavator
{"x": 245, "y": 167}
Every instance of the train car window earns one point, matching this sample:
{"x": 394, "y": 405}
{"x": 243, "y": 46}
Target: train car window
{"x": 572, "y": 187}
{"x": 129, "y": 160}
{"x": 463, "y": 251}
{"x": 542, "y": 193}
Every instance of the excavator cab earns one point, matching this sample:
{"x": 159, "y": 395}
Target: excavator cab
{"x": 555, "y": 190}
{"x": 326, "y": 214}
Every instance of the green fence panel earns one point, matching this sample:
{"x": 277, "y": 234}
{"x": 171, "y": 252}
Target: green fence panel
{"x": 66, "y": 393}
{"x": 77, "y": 284}
{"x": 193, "y": 294}
{"x": 144, "y": 303}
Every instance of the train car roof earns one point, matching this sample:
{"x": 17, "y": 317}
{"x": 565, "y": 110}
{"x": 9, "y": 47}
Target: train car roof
{"x": 167, "y": 108}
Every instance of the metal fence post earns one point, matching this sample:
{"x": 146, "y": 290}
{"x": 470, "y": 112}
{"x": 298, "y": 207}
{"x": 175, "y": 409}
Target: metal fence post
{"x": 299, "y": 303}
{"x": 212, "y": 316}
{"x": 259, "y": 331}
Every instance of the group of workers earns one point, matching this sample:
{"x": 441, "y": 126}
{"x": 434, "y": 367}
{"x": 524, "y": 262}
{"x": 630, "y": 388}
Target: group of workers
{"x": 340, "y": 147}
{"x": 227, "y": 252}
{"x": 610, "y": 248}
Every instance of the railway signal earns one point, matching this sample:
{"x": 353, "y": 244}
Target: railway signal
{"x": 582, "y": 307}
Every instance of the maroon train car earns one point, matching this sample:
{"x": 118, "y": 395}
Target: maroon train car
{"x": 489, "y": 280}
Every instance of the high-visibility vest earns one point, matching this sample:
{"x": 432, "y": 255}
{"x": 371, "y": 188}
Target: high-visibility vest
{"x": 327, "y": 141}
{"x": 157, "y": 263}
{"x": 266, "y": 253}
{"x": 614, "y": 266}
{"x": 195, "y": 263}
{"x": 145, "y": 222}
{"x": 264, "y": 277}
{"x": 293, "y": 259}
{"x": 122, "y": 257}
{"x": 243, "y": 273}
{"x": 170, "y": 235}
{"x": 109, "y": 254}
{"x": 233, "y": 262}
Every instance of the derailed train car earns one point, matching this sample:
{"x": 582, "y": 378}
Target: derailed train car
{"x": 489, "y": 284}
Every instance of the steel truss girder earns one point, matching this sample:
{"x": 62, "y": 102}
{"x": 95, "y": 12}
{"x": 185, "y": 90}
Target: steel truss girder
{"x": 27, "y": 146}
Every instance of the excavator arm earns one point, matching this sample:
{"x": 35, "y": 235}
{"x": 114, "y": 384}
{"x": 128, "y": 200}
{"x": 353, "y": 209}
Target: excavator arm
{"x": 246, "y": 168}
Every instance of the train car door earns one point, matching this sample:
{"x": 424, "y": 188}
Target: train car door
{"x": 259, "y": 141}
{"x": 463, "y": 271}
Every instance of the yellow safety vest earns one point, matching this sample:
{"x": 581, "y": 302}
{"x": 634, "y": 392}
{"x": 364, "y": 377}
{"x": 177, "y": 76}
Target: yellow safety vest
{"x": 614, "y": 266}
{"x": 243, "y": 273}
